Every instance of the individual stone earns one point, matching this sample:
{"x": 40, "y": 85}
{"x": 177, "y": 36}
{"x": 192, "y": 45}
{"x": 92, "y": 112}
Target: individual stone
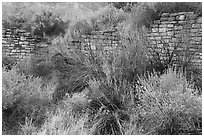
{"x": 170, "y": 25}
{"x": 155, "y": 26}
{"x": 154, "y": 29}
{"x": 196, "y": 26}
{"x": 13, "y": 51}
{"x": 165, "y": 15}
{"x": 182, "y": 22}
{"x": 178, "y": 27}
{"x": 164, "y": 19}
{"x": 170, "y": 33}
{"x": 157, "y": 22}
{"x": 166, "y": 37}
{"x": 194, "y": 30}
{"x": 163, "y": 26}
{"x": 181, "y": 13}
{"x": 162, "y": 29}
{"x": 182, "y": 17}
{"x": 173, "y": 14}
{"x": 21, "y": 31}
{"x": 155, "y": 34}
{"x": 23, "y": 46}
{"x": 163, "y": 34}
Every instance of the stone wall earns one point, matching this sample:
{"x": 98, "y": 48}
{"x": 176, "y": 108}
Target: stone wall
{"x": 102, "y": 41}
{"x": 177, "y": 33}
{"x": 182, "y": 31}
{"x": 17, "y": 44}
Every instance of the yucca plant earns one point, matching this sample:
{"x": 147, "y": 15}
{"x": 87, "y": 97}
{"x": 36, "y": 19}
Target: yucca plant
{"x": 109, "y": 107}
{"x": 161, "y": 57}
{"x": 180, "y": 56}
{"x": 192, "y": 71}
{"x": 75, "y": 68}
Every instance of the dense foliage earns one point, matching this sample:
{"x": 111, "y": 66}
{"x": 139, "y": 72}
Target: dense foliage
{"x": 68, "y": 92}
{"x": 45, "y": 23}
{"x": 87, "y": 98}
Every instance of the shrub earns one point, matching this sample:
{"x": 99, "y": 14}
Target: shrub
{"x": 178, "y": 56}
{"x": 142, "y": 15}
{"x": 161, "y": 57}
{"x": 108, "y": 18}
{"x": 23, "y": 97}
{"x": 105, "y": 19}
{"x": 126, "y": 6}
{"x": 80, "y": 28}
{"x": 44, "y": 23}
{"x": 187, "y": 62}
{"x": 37, "y": 66}
{"x": 173, "y": 7}
{"x": 18, "y": 20}
{"x": 194, "y": 76}
{"x": 60, "y": 121}
{"x": 79, "y": 71}
{"x": 49, "y": 24}
{"x": 132, "y": 61}
{"x": 169, "y": 105}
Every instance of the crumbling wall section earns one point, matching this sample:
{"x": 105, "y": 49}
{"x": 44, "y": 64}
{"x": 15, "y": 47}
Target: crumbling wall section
{"x": 180, "y": 33}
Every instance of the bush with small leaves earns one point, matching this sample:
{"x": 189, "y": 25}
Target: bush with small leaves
{"x": 23, "y": 97}
{"x": 169, "y": 105}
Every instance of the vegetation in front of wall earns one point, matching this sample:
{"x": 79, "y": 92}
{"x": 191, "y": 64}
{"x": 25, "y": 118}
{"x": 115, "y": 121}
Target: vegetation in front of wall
{"x": 66, "y": 91}
{"x": 86, "y": 94}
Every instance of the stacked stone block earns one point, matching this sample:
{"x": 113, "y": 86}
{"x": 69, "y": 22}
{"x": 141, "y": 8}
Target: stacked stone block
{"x": 182, "y": 31}
{"x": 103, "y": 42}
{"x": 17, "y": 44}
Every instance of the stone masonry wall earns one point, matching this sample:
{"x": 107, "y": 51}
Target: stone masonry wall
{"x": 180, "y": 33}
{"x": 102, "y": 41}
{"x": 17, "y": 44}
{"x": 181, "y": 30}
